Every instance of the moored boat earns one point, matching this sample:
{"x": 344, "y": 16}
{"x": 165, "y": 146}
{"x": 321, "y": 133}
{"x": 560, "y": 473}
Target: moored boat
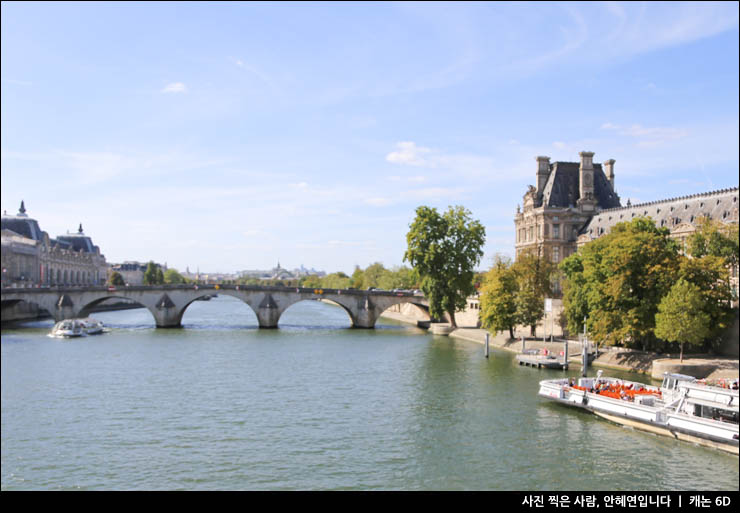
{"x": 681, "y": 407}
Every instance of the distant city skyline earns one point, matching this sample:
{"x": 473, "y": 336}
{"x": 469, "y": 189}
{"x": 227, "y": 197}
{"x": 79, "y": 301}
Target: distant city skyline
{"x": 229, "y": 136}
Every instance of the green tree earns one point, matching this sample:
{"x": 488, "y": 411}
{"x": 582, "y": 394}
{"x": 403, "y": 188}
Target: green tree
{"x": 711, "y": 276}
{"x": 408, "y": 278}
{"x": 680, "y": 317}
{"x": 159, "y": 276}
{"x": 530, "y": 308}
{"x": 534, "y": 273}
{"x": 618, "y": 280}
{"x": 172, "y": 277}
{"x": 498, "y": 295}
{"x": 444, "y": 249}
{"x": 150, "y": 275}
{"x": 337, "y": 280}
{"x": 399, "y": 278}
{"x": 357, "y": 281}
{"x": 311, "y": 281}
{"x": 575, "y": 301}
{"x": 713, "y": 238}
{"x": 116, "y": 279}
{"x": 374, "y": 274}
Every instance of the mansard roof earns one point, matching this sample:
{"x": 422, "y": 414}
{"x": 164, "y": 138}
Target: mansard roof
{"x": 720, "y": 205}
{"x": 22, "y": 224}
{"x": 28, "y": 228}
{"x": 78, "y": 241}
{"x": 562, "y": 189}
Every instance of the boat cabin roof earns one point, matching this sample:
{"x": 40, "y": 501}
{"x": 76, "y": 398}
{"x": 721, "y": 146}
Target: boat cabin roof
{"x": 712, "y": 404}
{"x": 680, "y": 377}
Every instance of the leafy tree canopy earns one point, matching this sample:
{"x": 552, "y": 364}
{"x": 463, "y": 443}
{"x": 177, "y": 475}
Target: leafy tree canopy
{"x": 713, "y": 238}
{"x": 680, "y": 316}
{"x": 618, "y": 280}
{"x": 172, "y": 277}
{"x": 444, "y": 249}
{"x": 116, "y": 279}
{"x": 150, "y": 275}
{"x": 534, "y": 273}
{"x": 498, "y": 308}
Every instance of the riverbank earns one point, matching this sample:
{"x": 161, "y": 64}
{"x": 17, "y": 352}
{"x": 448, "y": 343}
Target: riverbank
{"x": 699, "y": 366}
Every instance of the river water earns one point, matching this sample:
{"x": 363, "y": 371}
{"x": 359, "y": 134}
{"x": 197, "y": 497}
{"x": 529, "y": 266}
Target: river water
{"x": 313, "y": 405}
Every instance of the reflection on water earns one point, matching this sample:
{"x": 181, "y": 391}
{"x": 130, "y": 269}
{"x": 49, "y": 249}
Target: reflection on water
{"x": 221, "y": 404}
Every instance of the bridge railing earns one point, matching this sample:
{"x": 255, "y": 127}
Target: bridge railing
{"x": 209, "y": 287}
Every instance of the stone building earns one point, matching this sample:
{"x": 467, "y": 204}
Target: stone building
{"x": 679, "y": 215}
{"x": 576, "y": 202}
{"x": 31, "y": 258}
{"x": 566, "y": 197}
{"x": 131, "y": 272}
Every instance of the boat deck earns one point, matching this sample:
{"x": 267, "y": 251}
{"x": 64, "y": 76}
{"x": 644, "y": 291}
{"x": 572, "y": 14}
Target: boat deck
{"x": 539, "y": 361}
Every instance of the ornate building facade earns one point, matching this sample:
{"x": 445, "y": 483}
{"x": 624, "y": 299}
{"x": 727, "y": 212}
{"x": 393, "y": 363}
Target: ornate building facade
{"x": 31, "y": 258}
{"x": 566, "y": 197}
{"x": 576, "y": 202}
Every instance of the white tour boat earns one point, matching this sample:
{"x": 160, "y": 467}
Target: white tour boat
{"x": 682, "y": 408}
{"x": 92, "y": 326}
{"x": 68, "y": 328}
{"x": 77, "y": 328}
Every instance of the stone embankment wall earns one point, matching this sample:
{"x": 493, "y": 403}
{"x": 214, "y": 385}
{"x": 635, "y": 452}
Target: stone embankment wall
{"x": 412, "y": 314}
{"x": 616, "y": 358}
{"x": 700, "y": 366}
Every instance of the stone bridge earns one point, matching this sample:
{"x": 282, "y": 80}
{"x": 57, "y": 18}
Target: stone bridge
{"x": 167, "y": 303}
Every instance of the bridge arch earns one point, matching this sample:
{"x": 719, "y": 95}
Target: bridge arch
{"x": 87, "y": 308}
{"x": 222, "y": 292}
{"x": 326, "y": 301}
{"x": 16, "y": 309}
{"x": 404, "y": 311}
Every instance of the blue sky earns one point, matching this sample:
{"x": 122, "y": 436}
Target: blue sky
{"x": 228, "y": 136}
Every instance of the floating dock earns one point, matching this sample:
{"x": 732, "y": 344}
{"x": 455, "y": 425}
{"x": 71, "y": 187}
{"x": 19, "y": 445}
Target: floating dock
{"x": 539, "y": 361}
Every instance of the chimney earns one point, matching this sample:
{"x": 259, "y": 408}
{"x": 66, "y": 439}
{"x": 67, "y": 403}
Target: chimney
{"x": 543, "y": 172}
{"x": 609, "y": 171}
{"x": 587, "y": 159}
{"x": 586, "y": 175}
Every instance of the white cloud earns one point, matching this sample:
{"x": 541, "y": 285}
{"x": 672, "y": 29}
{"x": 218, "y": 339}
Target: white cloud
{"x": 175, "y": 87}
{"x": 461, "y": 164}
{"x": 409, "y": 154}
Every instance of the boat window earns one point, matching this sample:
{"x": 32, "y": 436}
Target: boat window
{"x": 709, "y": 412}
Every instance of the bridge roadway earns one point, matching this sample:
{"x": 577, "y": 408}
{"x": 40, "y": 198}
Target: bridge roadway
{"x": 167, "y": 303}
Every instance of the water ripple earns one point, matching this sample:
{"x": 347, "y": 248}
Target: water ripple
{"x": 312, "y": 405}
